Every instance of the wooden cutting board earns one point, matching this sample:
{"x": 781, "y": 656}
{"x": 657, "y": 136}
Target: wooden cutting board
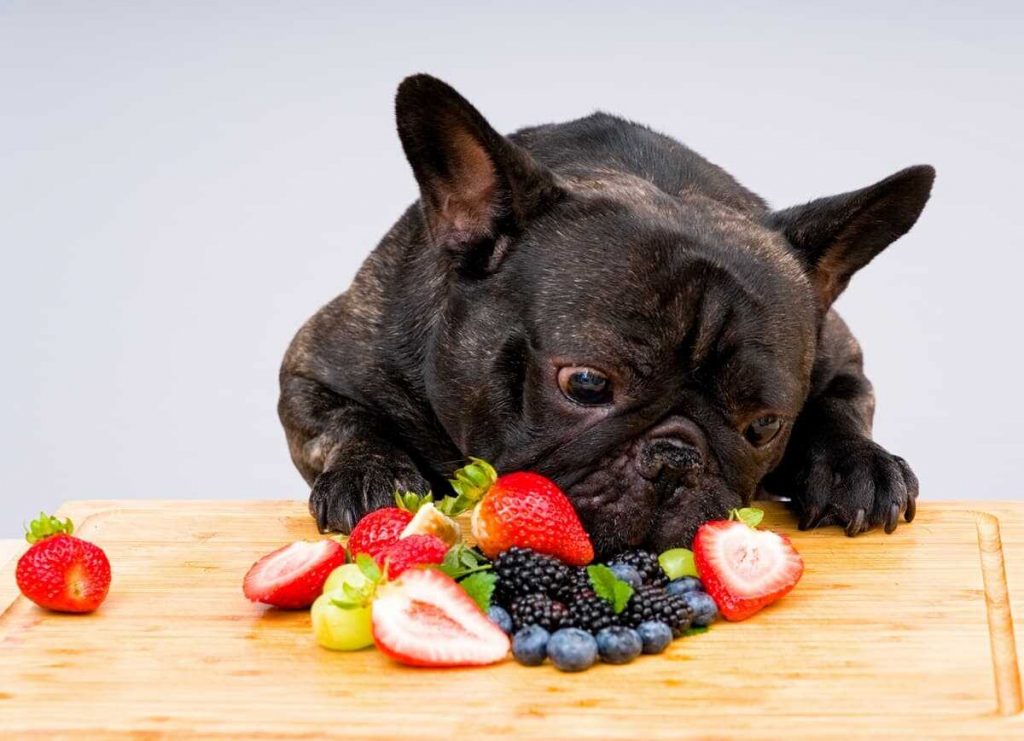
{"x": 886, "y": 636}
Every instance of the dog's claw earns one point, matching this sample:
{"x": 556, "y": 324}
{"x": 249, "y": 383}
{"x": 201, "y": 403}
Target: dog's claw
{"x": 856, "y": 524}
{"x": 810, "y": 518}
{"x": 893, "y": 518}
{"x": 911, "y": 509}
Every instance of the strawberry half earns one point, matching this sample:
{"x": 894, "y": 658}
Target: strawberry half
{"x": 424, "y": 618}
{"x": 744, "y": 569}
{"x": 522, "y": 509}
{"x": 293, "y": 577}
{"x": 412, "y": 550}
{"x": 61, "y": 572}
{"x": 378, "y": 530}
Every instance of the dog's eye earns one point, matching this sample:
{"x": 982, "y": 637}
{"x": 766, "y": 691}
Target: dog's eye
{"x": 585, "y": 386}
{"x": 763, "y": 430}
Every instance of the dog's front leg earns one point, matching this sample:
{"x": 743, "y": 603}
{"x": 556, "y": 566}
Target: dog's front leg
{"x": 833, "y": 471}
{"x": 344, "y": 452}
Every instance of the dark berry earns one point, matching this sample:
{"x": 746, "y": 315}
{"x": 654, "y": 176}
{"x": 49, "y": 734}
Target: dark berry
{"x": 572, "y": 650}
{"x": 530, "y": 645}
{"x": 522, "y": 571}
{"x": 684, "y": 584}
{"x": 654, "y": 603}
{"x": 655, "y": 636}
{"x": 619, "y": 645}
{"x": 576, "y": 585}
{"x": 500, "y": 617}
{"x": 590, "y": 613}
{"x": 628, "y": 574}
{"x": 646, "y": 563}
{"x": 702, "y": 606}
{"x": 538, "y": 609}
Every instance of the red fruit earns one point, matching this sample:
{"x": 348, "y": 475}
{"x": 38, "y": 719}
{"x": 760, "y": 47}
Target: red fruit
{"x": 378, "y": 530}
{"x": 412, "y": 550}
{"x": 424, "y": 618}
{"x": 60, "y": 572}
{"x": 293, "y": 577}
{"x": 527, "y": 510}
{"x": 744, "y": 569}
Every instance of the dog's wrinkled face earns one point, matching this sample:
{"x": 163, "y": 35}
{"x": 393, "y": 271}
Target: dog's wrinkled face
{"x": 647, "y": 349}
{"x": 647, "y": 352}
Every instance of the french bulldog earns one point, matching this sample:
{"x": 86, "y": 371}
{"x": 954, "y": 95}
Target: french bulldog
{"x": 596, "y": 302}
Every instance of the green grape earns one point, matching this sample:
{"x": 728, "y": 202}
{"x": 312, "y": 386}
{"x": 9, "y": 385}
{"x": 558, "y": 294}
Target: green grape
{"x": 338, "y": 628}
{"x": 677, "y": 562}
{"x": 346, "y": 574}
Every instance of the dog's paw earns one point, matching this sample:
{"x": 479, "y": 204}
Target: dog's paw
{"x": 856, "y": 484}
{"x": 358, "y": 485}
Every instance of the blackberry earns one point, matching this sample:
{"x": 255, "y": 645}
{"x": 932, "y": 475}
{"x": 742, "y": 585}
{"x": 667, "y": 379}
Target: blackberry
{"x": 538, "y": 609}
{"x": 644, "y": 562}
{"x": 576, "y": 585}
{"x": 590, "y": 613}
{"x": 654, "y": 603}
{"x": 522, "y": 571}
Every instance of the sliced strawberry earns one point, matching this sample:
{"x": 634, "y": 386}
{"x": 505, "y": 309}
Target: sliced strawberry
{"x": 293, "y": 577}
{"x": 744, "y": 569}
{"x": 377, "y": 530}
{"x": 412, "y": 550}
{"x": 424, "y": 618}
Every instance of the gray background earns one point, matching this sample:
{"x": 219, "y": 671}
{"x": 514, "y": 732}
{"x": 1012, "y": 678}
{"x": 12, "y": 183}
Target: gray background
{"x": 181, "y": 185}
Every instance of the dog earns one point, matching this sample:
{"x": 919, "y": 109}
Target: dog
{"x": 596, "y": 302}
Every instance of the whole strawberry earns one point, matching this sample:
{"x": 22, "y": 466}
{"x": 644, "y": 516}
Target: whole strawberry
{"x": 61, "y": 572}
{"x": 521, "y": 509}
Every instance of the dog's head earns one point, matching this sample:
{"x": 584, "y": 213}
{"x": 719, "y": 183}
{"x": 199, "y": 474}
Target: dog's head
{"x": 649, "y": 351}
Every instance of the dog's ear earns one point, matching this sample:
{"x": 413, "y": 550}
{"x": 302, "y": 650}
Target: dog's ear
{"x": 476, "y": 186}
{"x": 837, "y": 236}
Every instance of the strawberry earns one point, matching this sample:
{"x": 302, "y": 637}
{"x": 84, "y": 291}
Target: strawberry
{"x": 377, "y": 530}
{"x": 61, "y": 572}
{"x": 424, "y": 618}
{"x": 412, "y": 550}
{"x": 293, "y": 577}
{"x": 744, "y": 569}
{"x": 521, "y": 509}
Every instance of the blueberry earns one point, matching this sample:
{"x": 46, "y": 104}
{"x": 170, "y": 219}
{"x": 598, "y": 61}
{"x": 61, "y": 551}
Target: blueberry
{"x": 703, "y": 607}
{"x": 684, "y": 584}
{"x": 500, "y": 617}
{"x": 619, "y": 645}
{"x": 655, "y": 636}
{"x": 530, "y": 645}
{"x": 628, "y": 574}
{"x": 572, "y": 650}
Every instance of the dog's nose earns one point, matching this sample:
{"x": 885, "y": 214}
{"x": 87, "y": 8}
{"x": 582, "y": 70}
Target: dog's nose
{"x": 675, "y": 448}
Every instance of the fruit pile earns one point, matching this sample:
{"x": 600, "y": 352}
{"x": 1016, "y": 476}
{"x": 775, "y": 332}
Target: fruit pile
{"x": 407, "y": 583}
{"x": 636, "y": 603}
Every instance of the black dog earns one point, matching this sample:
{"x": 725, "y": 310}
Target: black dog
{"x": 594, "y": 301}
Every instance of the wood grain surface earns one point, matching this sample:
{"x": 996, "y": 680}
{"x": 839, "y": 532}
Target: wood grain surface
{"x": 886, "y": 636}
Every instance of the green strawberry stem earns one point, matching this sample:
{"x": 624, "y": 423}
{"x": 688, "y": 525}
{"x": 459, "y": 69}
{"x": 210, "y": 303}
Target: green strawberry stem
{"x": 411, "y": 501}
{"x": 45, "y": 526}
{"x": 470, "y": 483}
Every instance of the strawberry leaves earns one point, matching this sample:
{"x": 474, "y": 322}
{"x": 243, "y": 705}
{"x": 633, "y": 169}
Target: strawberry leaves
{"x": 461, "y": 561}
{"x": 609, "y": 587}
{"x": 46, "y": 525}
{"x": 480, "y": 586}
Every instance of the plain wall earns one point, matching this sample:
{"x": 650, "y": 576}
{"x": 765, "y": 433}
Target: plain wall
{"x": 182, "y": 185}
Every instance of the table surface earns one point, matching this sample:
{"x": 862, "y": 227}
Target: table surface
{"x": 885, "y": 635}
